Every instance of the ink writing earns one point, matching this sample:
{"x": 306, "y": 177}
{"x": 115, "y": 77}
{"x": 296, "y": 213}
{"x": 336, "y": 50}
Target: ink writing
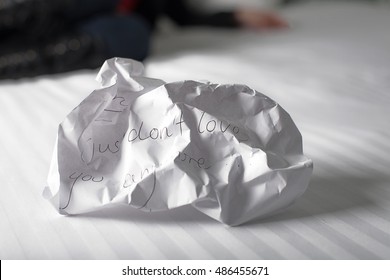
{"x": 200, "y": 162}
{"x": 101, "y": 148}
{"x": 132, "y": 178}
{"x": 77, "y": 177}
{"x": 141, "y": 133}
{"x": 210, "y": 125}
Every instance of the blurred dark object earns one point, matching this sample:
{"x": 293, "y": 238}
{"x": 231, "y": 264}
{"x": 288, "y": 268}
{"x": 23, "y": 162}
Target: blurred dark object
{"x": 29, "y": 18}
{"x": 70, "y": 52}
{"x": 54, "y": 36}
{"x": 26, "y": 51}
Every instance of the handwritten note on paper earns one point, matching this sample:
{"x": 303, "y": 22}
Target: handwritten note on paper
{"x": 227, "y": 150}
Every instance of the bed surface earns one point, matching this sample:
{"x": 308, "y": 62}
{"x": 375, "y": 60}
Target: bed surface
{"x": 330, "y": 71}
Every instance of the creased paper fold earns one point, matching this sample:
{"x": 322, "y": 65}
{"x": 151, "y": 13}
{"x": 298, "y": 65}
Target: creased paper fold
{"x": 227, "y": 150}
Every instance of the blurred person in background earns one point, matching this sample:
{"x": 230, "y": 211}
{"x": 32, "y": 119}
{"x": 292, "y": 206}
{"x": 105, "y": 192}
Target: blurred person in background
{"x": 54, "y": 36}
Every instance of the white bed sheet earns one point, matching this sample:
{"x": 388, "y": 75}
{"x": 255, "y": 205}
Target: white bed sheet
{"x": 330, "y": 71}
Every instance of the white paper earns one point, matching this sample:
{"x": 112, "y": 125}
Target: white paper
{"x": 227, "y": 150}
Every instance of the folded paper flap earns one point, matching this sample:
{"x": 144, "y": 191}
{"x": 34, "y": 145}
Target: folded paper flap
{"x": 119, "y": 69}
{"x": 252, "y": 112}
{"x": 230, "y": 151}
{"x": 230, "y": 101}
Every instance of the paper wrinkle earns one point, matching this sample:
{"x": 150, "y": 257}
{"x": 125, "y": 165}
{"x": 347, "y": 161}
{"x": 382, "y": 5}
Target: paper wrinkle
{"x": 118, "y": 71}
{"x": 227, "y": 150}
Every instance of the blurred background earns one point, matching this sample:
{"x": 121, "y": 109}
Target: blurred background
{"x": 54, "y": 36}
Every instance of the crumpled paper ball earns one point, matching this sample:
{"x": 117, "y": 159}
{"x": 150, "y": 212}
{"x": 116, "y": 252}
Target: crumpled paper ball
{"x": 227, "y": 150}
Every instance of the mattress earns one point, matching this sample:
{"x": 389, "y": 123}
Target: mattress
{"x": 330, "y": 70}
